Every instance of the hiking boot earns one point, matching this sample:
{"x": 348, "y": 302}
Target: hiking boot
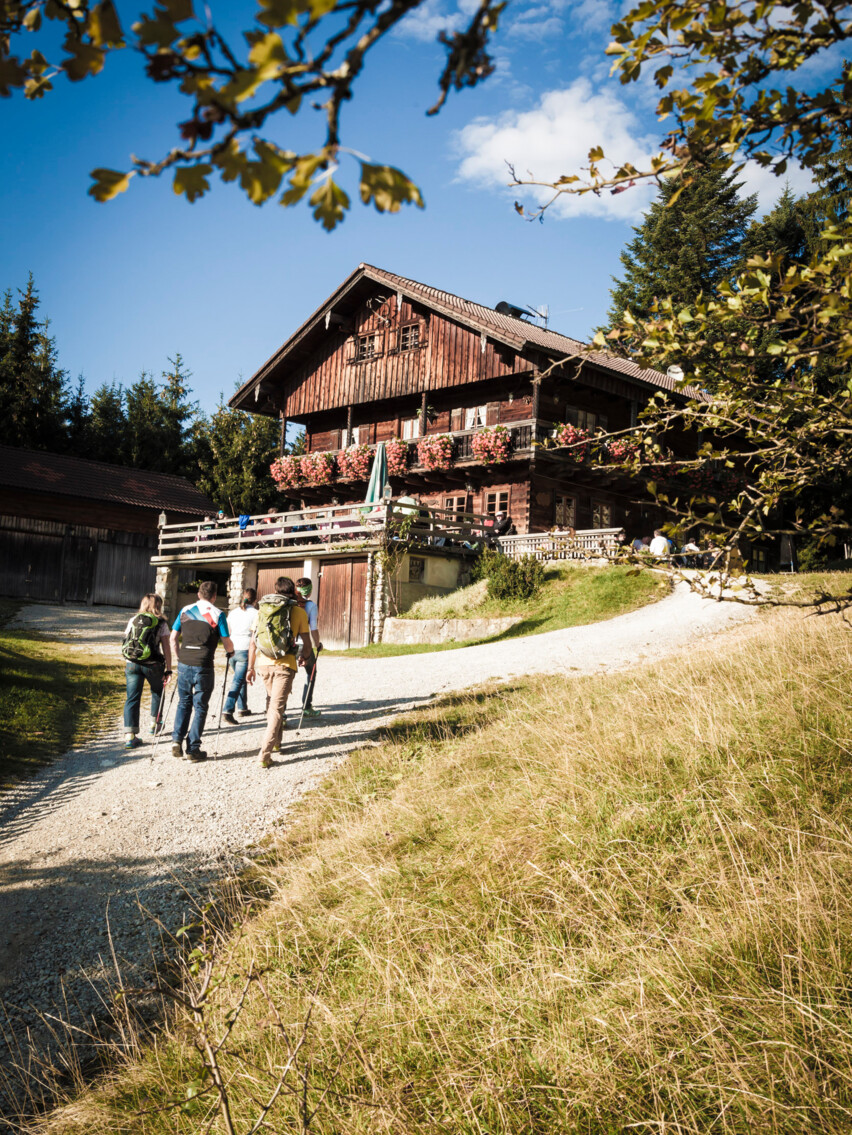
{"x": 311, "y": 712}
{"x": 229, "y": 717}
{"x": 244, "y": 712}
{"x": 155, "y": 728}
{"x": 196, "y": 755}
{"x": 177, "y": 749}
{"x": 267, "y": 762}
{"x": 131, "y": 741}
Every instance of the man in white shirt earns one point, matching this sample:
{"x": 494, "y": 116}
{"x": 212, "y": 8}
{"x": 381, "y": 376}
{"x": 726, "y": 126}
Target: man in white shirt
{"x": 660, "y": 546}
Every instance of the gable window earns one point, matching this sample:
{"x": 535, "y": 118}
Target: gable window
{"x": 564, "y": 512}
{"x": 601, "y": 514}
{"x": 496, "y": 502}
{"x": 367, "y": 346}
{"x": 410, "y": 428}
{"x": 409, "y": 337}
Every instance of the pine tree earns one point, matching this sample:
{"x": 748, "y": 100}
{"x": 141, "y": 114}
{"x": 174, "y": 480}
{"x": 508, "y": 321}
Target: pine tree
{"x": 33, "y": 390}
{"x": 177, "y": 442}
{"x": 146, "y": 435}
{"x": 78, "y": 420}
{"x": 235, "y": 451}
{"x": 786, "y": 228}
{"x": 685, "y": 245}
{"x": 108, "y": 425}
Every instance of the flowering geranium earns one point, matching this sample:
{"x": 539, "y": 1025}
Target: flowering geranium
{"x": 353, "y": 464}
{"x": 286, "y": 472}
{"x": 566, "y": 434}
{"x": 621, "y": 449}
{"x": 318, "y": 468}
{"x": 397, "y": 454}
{"x": 435, "y": 451}
{"x": 492, "y": 446}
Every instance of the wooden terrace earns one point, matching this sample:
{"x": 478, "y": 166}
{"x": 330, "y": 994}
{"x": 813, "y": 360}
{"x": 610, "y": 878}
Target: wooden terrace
{"x": 341, "y": 530}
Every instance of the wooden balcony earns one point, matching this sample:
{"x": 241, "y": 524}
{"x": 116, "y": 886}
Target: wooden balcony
{"x": 523, "y": 434}
{"x": 334, "y": 530}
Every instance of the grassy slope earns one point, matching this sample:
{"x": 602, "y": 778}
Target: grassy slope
{"x": 51, "y": 698}
{"x": 570, "y": 597}
{"x": 582, "y": 905}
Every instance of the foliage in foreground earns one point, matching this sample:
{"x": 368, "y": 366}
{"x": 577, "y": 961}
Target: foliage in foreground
{"x": 51, "y": 697}
{"x": 584, "y": 905}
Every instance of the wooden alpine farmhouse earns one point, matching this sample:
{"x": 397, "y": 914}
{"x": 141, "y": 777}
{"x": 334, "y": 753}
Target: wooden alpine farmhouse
{"x": 481, "y": 411}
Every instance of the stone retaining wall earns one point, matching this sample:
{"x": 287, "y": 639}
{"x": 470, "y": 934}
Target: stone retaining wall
{"x": 407, "y": 632}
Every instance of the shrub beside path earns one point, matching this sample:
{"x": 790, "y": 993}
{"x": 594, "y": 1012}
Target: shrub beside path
{"x": 104, "y": 841}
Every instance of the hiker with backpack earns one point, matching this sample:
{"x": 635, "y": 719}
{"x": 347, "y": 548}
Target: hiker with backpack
{"x": 195, "y": 635}
{"x": 304, "y": 588}
{"x": 148, "y": 658}
{"x": 241, "y": 623}
{"x": 273, "y": 654}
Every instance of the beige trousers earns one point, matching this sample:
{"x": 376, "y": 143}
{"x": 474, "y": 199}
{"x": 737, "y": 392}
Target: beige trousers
{"x": 278, "y": 682}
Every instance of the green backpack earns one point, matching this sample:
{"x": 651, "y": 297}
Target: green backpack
{"x": 274, "y": 633}
{"x": 140, "y": 642}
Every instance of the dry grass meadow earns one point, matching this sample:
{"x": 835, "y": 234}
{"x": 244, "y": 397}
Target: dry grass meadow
{"x": 587, "y": 905}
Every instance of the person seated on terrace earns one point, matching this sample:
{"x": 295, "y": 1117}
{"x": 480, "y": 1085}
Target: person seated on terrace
{"x": 690, "y": 554}
{"x": 638, "y": 544}
{"x": 207, "y": 525}
{"x": 245, "y": 522}
{"x": 660, "y": 546}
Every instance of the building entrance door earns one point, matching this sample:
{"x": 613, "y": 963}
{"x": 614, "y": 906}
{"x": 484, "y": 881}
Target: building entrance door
{"x": 340, "y": 597}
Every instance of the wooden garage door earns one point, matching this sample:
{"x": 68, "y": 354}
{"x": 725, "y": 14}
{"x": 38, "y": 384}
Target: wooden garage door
{"x": 340, "y": 599}
{"x": 31, "y": 565}
{"x": 123, "y": 574}
{"x": 266, "y": 577}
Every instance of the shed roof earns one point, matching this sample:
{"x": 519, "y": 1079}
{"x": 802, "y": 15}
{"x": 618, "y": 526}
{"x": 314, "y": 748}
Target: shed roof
{"x": 65, "y": 476}
{"x": 515, "y": 333}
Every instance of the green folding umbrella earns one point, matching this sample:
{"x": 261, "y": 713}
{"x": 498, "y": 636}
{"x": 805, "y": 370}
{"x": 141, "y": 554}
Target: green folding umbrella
{"x": 378, "y": 478}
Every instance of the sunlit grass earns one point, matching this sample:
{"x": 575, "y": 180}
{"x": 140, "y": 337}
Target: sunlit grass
{"x": 583, "y": 905}
{"x": 52, "y": 696}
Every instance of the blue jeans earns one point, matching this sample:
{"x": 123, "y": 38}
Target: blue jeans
{"x": 195, "y": 685}
{"x": 237, "y": 692}
{"x": 137, "y": 676}
{"x": 310, "y": 680}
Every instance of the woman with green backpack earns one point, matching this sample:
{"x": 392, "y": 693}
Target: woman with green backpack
{"x": 148, "y": 658}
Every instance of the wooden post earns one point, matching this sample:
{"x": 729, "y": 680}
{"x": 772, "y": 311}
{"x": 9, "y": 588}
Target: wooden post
{"x": 536, "y": 398}
{"x": 283, "y": 440}
{"x": 424, "y": 402}
{"x": 348, "y": 426}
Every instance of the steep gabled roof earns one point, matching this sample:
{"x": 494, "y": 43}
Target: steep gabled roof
{"x": 517, "y": 334}
{"x": 64, "y": 476}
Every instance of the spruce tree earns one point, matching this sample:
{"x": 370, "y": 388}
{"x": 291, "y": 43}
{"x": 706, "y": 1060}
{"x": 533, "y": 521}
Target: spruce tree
{"x": 687, "y": 244}
{"x": 108, "y": 425}
{"x": 33, "y": 390}
{"x": 234, "y": 452}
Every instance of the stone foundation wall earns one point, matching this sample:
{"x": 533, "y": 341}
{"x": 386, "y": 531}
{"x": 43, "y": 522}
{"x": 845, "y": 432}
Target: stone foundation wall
{"x": 408, "y": 632}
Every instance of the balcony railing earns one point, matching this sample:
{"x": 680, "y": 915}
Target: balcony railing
{"x": 312, "y": 531}
{"x": 583, "y": 544}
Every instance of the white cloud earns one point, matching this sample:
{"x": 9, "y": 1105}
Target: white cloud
{"x": 427, "y": 20}
{"x": 757, "y": 179}
{"x": 554, "y": 139}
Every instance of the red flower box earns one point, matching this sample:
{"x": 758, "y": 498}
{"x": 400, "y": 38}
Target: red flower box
{"x": 397, "y": 454}
{"x": 492, "y": 446}
{"x": 354, "y": 463}
{"x": 286, "y": 472}
{"x": 317, "y": 468}
{"x": 435, "y": 452}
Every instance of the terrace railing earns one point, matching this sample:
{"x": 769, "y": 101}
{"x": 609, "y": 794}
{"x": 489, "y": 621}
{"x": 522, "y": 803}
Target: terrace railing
{"x": 314, "y": 530}
{"x": 583, "y": 544}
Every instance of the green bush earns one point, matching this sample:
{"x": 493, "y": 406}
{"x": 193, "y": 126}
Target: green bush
{"x": 515, "y": 579}
{"x": 485, "y": 563}
{"x": 811, "y": 557}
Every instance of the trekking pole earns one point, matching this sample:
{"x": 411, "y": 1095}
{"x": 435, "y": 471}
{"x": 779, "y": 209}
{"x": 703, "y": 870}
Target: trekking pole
{"x": 221, "y": 708}
{"x": 165, "y": 717}
{"x": 305, "y": 702}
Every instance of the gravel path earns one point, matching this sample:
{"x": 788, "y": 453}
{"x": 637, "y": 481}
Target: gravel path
{"x": 106, "y": 835}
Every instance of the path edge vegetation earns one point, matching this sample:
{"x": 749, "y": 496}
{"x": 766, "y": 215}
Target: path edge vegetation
{"x": 565, "y": 904}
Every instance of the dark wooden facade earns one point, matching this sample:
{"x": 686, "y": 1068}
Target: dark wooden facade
{"x": 387, "y": 357}
{"x": 80, "y": 531}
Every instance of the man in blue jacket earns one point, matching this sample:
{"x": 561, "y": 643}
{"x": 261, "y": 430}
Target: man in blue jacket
{"x": 195, "y": 635}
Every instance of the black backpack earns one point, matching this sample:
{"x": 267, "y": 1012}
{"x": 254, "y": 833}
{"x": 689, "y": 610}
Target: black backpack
{"x": 140, "y": 642}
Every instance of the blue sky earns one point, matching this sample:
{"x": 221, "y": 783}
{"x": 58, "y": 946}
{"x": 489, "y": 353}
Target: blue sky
{"x": 129, "y": 283}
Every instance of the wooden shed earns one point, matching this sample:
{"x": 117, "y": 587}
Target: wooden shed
{"x": 73, "y": 530}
